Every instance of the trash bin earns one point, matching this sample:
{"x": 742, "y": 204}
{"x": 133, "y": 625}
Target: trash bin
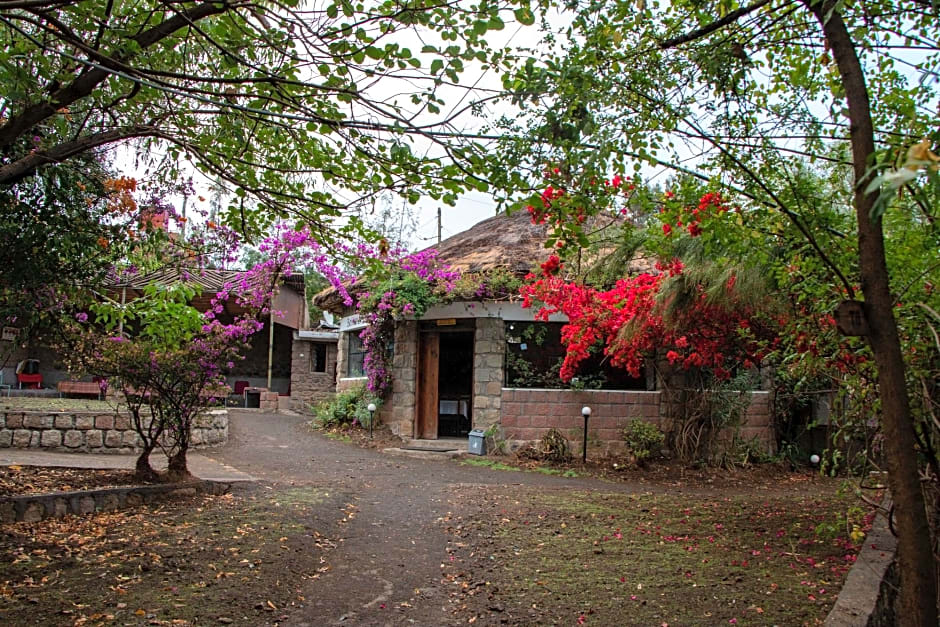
{"x": 477, "y": 443}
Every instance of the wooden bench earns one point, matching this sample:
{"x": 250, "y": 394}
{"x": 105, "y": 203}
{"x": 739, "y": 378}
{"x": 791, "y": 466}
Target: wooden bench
{"x": 79, "y": 388}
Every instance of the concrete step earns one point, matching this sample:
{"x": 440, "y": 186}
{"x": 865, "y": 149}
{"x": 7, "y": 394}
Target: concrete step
{"x": 441, "y": 444}
{"x": 424, "y": 453}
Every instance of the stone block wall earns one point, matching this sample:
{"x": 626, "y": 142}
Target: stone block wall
{"x": 308, "y": 387}
{"x": 90, "y": 432}
{"x": 398, "y": 412}
{"x": 488, "y": 355}
{"x": 528, "y": 414}
{"x": 268, "y": 401}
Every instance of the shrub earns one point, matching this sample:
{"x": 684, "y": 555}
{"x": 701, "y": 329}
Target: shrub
{"x": 347, "y": 408}
{"x": 554, "y": 446}
{"x": 643, "y": 439}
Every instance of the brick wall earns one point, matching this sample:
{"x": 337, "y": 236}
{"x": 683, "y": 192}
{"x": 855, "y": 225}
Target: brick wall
{"x": 528, "y": 414}
{"x": 89, "y": 432}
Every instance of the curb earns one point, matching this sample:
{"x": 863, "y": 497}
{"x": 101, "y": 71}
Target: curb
{"x": 867, "y": 596}
{"x": 36, "y": 507}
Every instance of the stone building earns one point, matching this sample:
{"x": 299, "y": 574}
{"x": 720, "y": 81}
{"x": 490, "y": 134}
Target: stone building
{"x": 449, "y": 367}
{"x": 267, "y": 362}
{"x": 313, "y": 366}
{"x": 453, "y": 369}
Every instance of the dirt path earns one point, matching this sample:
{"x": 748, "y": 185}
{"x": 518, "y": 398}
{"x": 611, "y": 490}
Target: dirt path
{"x": 386, "y": 569}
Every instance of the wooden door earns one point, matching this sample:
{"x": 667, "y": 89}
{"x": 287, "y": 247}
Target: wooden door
{"x": 427, "y": 402}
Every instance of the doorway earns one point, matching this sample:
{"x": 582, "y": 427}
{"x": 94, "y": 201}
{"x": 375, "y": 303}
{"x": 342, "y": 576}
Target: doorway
{"x": 445, "y": 379}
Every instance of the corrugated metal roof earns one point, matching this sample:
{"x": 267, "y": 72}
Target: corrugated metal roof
{"x": 209, "y": 279}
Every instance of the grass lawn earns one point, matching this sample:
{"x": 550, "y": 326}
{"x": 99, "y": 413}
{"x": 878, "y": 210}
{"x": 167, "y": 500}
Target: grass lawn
{"x": 573, "y": 557}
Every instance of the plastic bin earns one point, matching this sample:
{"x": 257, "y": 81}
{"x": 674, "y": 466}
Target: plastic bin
{"x": 477, "y": 442}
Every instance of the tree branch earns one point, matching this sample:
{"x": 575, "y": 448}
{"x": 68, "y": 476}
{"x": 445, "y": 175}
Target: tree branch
{"x": 731, "y": 18}
{"x": 23, "y": 167}
{"x": 81, "y": 87}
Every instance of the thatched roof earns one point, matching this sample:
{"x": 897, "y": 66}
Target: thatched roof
{"x": 503, "y": 241}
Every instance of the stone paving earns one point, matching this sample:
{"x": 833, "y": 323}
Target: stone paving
{"x": 200, "y": 465}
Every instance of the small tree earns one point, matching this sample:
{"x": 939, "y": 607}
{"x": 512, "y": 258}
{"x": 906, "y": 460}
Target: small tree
{"x": 173, "y": 365}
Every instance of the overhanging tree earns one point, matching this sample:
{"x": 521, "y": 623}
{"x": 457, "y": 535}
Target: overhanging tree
{"x": 302, "y": 107}
{"x": 60, "y": 231}
{"x": 746, "y": 96}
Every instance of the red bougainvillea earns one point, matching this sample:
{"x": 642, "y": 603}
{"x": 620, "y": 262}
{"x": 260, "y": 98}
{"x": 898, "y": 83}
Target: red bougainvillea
{"x": 627, "y": 322}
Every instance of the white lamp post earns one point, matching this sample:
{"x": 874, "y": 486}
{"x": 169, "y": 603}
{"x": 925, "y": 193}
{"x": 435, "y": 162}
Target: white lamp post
{"x": 371, "y": 409}
{"x": 586, "y": 412}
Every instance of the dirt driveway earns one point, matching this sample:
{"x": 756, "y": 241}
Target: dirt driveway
{"x": 387, "y": 525}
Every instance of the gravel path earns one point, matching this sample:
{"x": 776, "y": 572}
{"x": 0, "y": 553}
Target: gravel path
{"x": 390, "y": 540}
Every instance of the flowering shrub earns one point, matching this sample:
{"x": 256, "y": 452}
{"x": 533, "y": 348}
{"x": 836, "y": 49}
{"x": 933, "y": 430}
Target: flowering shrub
{"x": 567, "y": 202}
{"x": 676, "y": 216}
{"x": 175, "y": 363}
{"x": 635, "y": 317}
{"x": 403, "y": 285}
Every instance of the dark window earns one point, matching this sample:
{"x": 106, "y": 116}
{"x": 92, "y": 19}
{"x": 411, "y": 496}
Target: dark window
{"x": 356, "y": 354}
{"x": 318, "y": 357}
{"x": 534, "y": 355}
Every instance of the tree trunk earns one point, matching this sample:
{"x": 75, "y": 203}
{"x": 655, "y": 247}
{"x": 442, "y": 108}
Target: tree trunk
{"x": 143, "y": 471}
{"x": 917, "y": 600}
{"x": 177, "y": 469}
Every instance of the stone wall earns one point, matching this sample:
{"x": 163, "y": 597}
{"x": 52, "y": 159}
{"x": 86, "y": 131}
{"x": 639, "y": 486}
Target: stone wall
{"x": 488, "y": 354}
{"x": 398, "y": 412}
{"x": 308, "y": 387}
{"x": 91, "y": 432}
{"x": 35, "y": 507}
{"x": 528, "y": 414}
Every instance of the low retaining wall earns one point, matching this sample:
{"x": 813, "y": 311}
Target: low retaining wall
{"x": 32, "y": 508}
{"x": 870, "y": 590}
{"x": 528, "y": 414}
{"x": 76, "y": 431}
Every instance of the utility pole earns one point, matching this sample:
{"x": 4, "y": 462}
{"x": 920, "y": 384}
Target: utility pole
{"x": 438, "y": 225}
{"x": 183, "y": 225}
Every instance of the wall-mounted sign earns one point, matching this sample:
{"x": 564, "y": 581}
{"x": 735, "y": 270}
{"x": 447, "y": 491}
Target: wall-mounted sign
{"x": 350, "y": 323}
{"x": 9, "y": 334}
{"x": 448, "y": 322}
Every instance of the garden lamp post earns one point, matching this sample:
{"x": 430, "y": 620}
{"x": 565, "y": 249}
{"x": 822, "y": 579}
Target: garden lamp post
{"x": 371, "y": 409}
{"x": 586, "y": 412}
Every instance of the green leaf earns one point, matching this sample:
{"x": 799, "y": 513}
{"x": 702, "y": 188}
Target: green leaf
{"x": 525, "y": 16}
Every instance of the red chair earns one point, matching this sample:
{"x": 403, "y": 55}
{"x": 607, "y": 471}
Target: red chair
{"x": 31, "y": 381}
{"x": 239, "y": 388}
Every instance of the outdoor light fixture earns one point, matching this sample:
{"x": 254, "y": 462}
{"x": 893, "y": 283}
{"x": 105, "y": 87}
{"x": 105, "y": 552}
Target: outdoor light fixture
{"x": 371, "y": 409}
{"x": 586, "y": 412}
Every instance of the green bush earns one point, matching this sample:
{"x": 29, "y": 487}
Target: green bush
{"x": 554, "y": 447}
{"x": 643, "y": 439}
{"x": 347, "y": 408}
